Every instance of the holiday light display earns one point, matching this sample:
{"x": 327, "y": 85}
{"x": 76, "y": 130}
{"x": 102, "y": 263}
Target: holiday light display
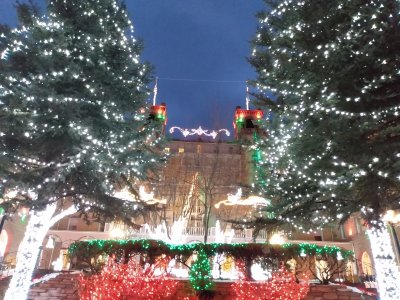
{"x": 387, "y": 272}
{"x": 29, "y": 248}
{"x": 176, "y": 235}
{"x": 126, "y": 280}
{"x": 200, "y": 276}
{"x": 235, "y": 199}
{"x": 74, "y": 118}
{"x": 36, "y": 230}
{"x": 281, "y": 286}
{"x": 222, "y": 236}
{"x": 332, "y": 145}
{"x": 92, "y": 248}
{"x": 143, "y": 196}
{"x": 228, "y": 260}
{"x": 155, "y": 91}
{"x": 200, "y": 131}
{"x": 311, "y": 169}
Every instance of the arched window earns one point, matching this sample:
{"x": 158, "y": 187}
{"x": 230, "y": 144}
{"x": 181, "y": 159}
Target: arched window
{"x": 366, "y": 264}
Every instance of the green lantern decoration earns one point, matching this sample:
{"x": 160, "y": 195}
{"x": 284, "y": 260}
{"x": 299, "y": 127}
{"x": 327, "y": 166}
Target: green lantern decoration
{"x": 200, "y": 273}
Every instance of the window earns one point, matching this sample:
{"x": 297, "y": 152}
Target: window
{"x": 366, "y": 264}
{"x": 73, "y": 223}
{"x": 181, "y": 150}
{"x": 166, "y": 150}
{"x": 198, "y": 148}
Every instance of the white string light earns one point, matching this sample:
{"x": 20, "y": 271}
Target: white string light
{"x": 387, "y": 272}
{"x": 200, "y": 131}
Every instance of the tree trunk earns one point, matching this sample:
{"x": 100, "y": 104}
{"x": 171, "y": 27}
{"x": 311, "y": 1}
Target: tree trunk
{"x": 387, "y": 272}
{"x": 205, "y": 223}
{"x": 28, "y": 252}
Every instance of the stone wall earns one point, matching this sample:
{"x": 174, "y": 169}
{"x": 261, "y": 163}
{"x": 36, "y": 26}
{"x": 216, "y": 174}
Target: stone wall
{"x": 334, "y": 292}
{"x": 64, "y": 287}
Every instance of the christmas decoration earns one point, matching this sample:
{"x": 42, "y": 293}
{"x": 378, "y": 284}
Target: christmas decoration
{"x": 29, "y": 248}
{"x": 282, "y": 286}
{"x": 387, "y": 272}
{"x": 343, "y": 105}
{"x": 120, "y": 281}
{"x": 200, "y": 273}
{"x": 143, "y": 196}
{"x": 223, "y": 256}
{"x": 328, "y": 72}
{"x": 72, "y": 93}
{"x": 176, "y": 234}
{"x": 155, "y": 90}
{"x": 223, "y": 236}
{"x": 200, "y": 131}
{"x": 93, "y": 248}
{"x": 235, "y": 199}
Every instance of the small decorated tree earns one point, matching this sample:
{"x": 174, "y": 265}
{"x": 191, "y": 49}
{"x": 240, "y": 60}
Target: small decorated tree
{"x": 200, "y": 275}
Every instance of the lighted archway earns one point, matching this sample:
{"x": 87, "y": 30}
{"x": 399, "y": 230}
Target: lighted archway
{"x": 366, "y": 264}
{"x": 3, "y": 242}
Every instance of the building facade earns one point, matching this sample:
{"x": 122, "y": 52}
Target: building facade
{"x": 204, "y": 186}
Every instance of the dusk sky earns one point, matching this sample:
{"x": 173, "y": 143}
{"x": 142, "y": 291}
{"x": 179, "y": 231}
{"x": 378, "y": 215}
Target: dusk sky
{"x": 198, "y": 49}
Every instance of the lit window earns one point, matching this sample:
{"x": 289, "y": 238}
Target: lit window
{"x": 166, "y": 150}
{"x": 181, "y": 150}
{"x": 366, "y": 264}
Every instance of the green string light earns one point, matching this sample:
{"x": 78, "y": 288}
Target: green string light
{"x": 200, "y": 273}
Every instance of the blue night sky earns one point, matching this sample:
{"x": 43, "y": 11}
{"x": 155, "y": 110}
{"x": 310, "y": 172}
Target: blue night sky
{"x": 201, "y": 41}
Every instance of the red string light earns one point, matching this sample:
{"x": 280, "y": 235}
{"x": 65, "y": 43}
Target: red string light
{"x": 282, "y": 286}
{"x": 126, "y": 281}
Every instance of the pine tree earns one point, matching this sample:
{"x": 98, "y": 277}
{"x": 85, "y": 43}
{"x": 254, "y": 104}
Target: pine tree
{"x": 73, "y": 119}
{"x": 329, "y": 71}
{"x": 200, "y": 274}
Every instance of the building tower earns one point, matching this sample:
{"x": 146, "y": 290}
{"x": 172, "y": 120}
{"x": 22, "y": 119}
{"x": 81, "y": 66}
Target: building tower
{"x": 247, "y": 123}
{"x": 158, "y": 113}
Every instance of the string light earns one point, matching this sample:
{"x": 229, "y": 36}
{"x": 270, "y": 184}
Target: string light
{"x": 76, "y": 114}
{"x": 176, "y": 234}
{"x": 29, "y": 248}
{"x": 200, "y": 131}
{"x": 332, "y": 85}
{"x": 235, "y": 199}
{"x": 126, "y": 280}
{"x": 282, "y": 285}
{"x": 200, "y": 277}
{"x": 387, "y": 272}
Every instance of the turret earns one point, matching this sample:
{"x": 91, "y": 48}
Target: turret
{"x": 247, "y": 123}
{"x": 158, "y": 113}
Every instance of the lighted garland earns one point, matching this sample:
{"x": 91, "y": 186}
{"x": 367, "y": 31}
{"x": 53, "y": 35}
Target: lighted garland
{"x": 90, "y": 251}
{"x": 94, "y": 248}
{"x": 200, "y": 131}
